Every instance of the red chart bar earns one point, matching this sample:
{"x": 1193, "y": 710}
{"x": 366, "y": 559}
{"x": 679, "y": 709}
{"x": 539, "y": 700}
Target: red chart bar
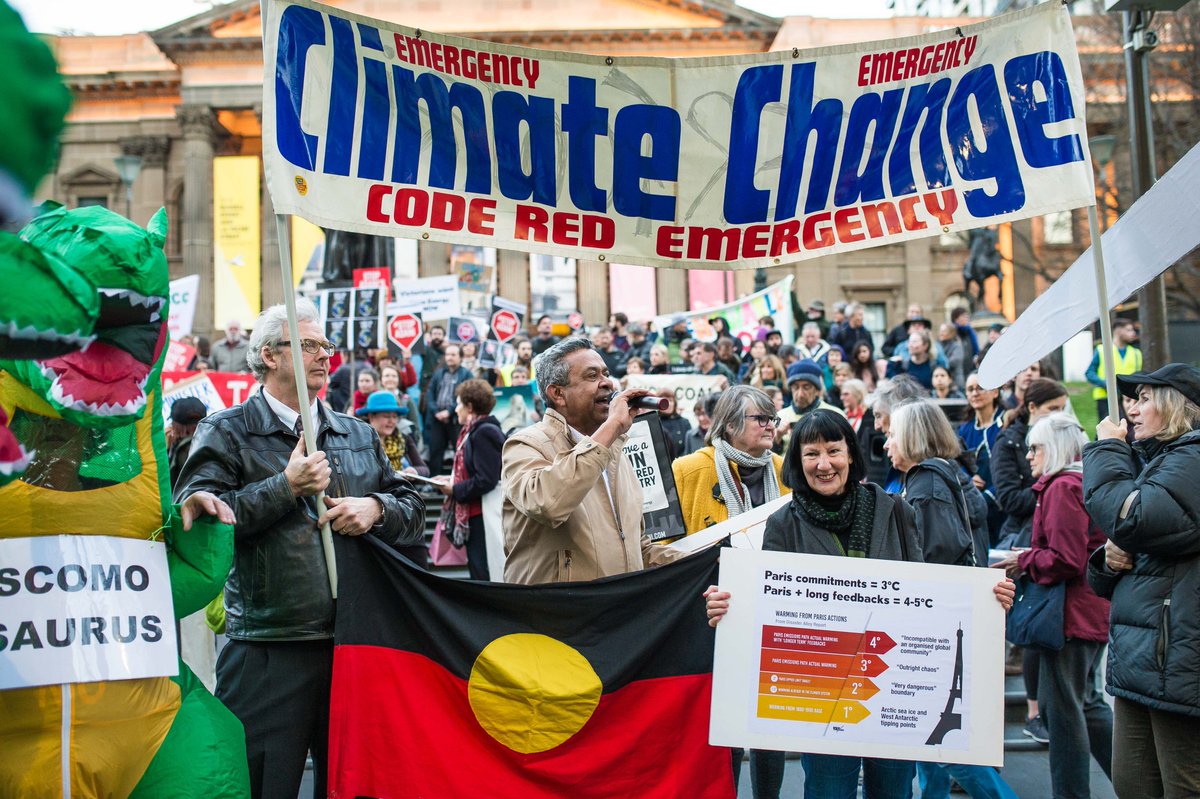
{"x": 834, "y": 642}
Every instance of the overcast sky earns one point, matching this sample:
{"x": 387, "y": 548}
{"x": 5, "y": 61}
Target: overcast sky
{"x": 129, "y": 16}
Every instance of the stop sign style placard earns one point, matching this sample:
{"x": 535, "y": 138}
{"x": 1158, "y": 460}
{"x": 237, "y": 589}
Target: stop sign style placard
{"x": 405, "y": 330}
{"x": 505, "y": 325}
{"x": 575, "y": 320}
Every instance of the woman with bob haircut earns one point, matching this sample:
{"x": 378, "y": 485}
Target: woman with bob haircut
{"x": 1145, "y": 500}
{"x": 1076, "y": 715}
{"x": 833, "y": 513}
{"x": 951, "y": 520}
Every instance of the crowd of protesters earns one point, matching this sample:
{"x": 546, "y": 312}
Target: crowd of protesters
{"x": 974, "y": 470}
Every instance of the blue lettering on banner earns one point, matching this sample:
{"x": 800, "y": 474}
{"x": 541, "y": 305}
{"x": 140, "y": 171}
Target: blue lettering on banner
{"x": 879, "y": 158}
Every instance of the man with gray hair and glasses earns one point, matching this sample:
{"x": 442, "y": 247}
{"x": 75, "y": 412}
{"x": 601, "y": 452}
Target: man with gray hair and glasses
{"x": 572, "y": 504}
{"x": 274, "y": 674}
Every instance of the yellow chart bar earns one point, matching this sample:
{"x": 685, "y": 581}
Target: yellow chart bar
{"x": 815, "y": 711}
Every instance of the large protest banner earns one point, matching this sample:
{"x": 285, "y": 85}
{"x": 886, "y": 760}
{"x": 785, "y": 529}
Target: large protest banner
{"x": 583, "y": 156}
{"x": 843, "y": 656}
{"x": 743, "y": 315}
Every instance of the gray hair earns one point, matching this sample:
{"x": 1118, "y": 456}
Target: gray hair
{"x": 854, "y": 308}
{"x": 271, "y": 329}
{"x": 729, "y": 417}
{"x": 901, "y": 389}
{"x": 920, "y": 431}
{"x": 1061, "y": 439}
{"x": 551, "y": 367}
{"x": 810, "y": 326}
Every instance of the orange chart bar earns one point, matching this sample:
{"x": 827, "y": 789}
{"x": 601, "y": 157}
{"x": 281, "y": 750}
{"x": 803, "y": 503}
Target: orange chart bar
{"x": 791, "y": 662}
{"x": 783, "y": 684}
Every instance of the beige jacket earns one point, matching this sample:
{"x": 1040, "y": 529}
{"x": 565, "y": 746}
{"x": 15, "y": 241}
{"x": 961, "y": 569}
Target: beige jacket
{"x": 559, "y": 525}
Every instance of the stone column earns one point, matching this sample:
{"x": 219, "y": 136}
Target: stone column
{"x": 150, "y": 189}
{"x": 672, "y": 290}
{"x": 512, "y": 276}
{"x": 592, "y": 289}
{"x": 198, "y": 124}
{"x": 271, "y": 276}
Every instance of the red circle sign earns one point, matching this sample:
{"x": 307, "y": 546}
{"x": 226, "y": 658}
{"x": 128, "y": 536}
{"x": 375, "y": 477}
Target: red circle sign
{"x": 404, "y": 330}
{"x": 506, "y": 325}
{"x": 466, "y": 332}
{"x": 575, "y": 320}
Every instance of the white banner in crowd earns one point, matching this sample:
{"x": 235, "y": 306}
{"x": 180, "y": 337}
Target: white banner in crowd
{"x": 182, "y": 309}
{"x": 689, "y": 389}
{"x": 82, "y": 608}
{"x": 789, "y": 155}
{"x": 1156, "y": 232}
{"x": 741, "y": 315}
{"x": 432, "y": 297}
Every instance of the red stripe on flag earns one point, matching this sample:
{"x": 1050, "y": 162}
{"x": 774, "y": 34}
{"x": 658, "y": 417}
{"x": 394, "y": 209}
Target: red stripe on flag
{"x": 401, "y": 727}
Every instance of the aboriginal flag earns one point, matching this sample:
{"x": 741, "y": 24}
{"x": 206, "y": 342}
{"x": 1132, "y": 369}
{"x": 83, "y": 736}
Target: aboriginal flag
{"x": 445, "y": 689}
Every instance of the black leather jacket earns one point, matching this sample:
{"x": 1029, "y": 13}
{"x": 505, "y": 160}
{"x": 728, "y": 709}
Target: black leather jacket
{"x": 278, "y": 588}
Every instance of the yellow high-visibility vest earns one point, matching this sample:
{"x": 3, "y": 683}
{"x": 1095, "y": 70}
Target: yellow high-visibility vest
{"x": 1127, "y": 364}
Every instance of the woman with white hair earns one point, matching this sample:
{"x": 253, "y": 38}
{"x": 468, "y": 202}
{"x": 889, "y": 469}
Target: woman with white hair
{"x": 1069, "y": 699}
{"x": 735, "y": 472}
{"x": 1146, "y": 501}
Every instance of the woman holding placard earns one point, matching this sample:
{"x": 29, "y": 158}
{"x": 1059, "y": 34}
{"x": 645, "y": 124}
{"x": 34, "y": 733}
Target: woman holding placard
{"x": 833, "y": 512}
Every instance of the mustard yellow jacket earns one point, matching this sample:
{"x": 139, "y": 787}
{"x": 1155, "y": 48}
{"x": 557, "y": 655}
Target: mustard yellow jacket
{"x": 696, "y": 480}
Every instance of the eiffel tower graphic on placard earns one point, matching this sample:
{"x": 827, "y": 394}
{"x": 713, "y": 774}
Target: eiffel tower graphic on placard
{"x": 950, "y": 719}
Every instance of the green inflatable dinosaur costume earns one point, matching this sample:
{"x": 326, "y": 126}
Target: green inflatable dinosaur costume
{"x": 83, "y": 307}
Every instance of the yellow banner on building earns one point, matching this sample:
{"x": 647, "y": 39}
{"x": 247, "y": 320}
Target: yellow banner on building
{"x": 237, "y": 281}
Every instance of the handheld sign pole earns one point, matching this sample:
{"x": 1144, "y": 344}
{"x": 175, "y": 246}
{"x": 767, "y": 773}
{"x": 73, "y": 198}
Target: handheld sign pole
{"x": 1106, "y": 335}
{"x": 310, "y": 424}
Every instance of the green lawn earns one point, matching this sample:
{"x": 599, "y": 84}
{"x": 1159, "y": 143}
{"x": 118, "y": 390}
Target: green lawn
{"x": 1084, "y": 406}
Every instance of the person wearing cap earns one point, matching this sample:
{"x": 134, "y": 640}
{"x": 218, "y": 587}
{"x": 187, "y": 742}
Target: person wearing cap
{"x": 186, "y": 413}
{"x": 806, "y": 382}
{"x": 1144, "y": 498}
{"x": 899, "y": 334}
{"x": 816, "y": 314}
{"x": 1129, "y": 360}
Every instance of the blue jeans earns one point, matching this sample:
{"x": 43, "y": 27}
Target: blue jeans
{"x": 980, "y": 782}
{"x": 836, "y": 777}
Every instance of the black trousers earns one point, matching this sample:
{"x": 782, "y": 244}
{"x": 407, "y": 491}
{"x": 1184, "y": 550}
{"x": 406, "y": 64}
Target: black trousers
{"x": 766, "y": 772}
{"x": 477, "y": 562}
{"x": 280, "y": 693}
{"x": 440, "y": 436}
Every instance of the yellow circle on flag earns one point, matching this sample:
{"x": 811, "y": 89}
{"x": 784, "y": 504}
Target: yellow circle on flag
{"x": 531, "y": 692}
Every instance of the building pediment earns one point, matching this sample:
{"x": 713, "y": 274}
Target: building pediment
{"x": 90, "y": 175}
{"x": 237, "y": 25}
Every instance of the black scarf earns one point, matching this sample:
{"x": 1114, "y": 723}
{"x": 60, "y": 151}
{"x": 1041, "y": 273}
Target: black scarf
{"x": 852, "y": 514}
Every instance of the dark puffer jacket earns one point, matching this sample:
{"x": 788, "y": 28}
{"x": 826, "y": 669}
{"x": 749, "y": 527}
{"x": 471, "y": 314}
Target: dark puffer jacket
{"x": 1152, "y": 512}
{"x": 1013, "y": 481}
{"x": 943, "y": 497}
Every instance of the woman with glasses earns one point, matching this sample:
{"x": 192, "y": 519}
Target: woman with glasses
{"x": 735, "y": 472}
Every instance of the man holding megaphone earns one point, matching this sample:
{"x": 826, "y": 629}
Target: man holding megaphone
{"x": 572, "y": 504}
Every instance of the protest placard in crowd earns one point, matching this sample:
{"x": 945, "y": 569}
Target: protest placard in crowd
{"x": 683, "y": 163}
{"x": 837, "y": 656}
{"x": 81, "y": 608}
{"x": 742, "y": 315}
{"x": 689, "y": 389}
{"x": 647, "y": 452}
